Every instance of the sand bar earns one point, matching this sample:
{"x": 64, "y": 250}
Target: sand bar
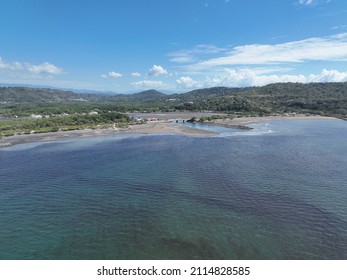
{"x": 149, "y": 128}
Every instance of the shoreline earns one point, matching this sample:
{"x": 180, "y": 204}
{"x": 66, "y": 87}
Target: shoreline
{"x": 145, "y": 129}
{"x": 150, "y": 128}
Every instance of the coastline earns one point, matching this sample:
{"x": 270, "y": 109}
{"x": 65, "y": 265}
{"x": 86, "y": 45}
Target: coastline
{"x": 150, "y": 128}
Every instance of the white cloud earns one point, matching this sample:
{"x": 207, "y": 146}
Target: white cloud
{"x": 157, "y": 70}
{"x": 306, "y": 2}
{"x": 249, "y": 77}
{"x": 10, "y": 66}
{"x": 331, "y": 48}
{"x": 114, "y": 74}
{"x": 186, "y": 82}
{"x": 257, "y": 65}
{"x": 243, "y": 78}
{"x": 312, "y": 2}
{"x": 136, "y": 74}
{"x": 23, "y": 68}
{"x": 198, "y": 52}
{"x": 328, "y": 76}
{"x": 341, "y": 27}
{"x": 46, "y": 67}
{"x": 148, "y": 84}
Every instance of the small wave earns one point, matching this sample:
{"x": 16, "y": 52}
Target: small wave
{"x": 246, "y": 133}
{"x": 257, "y": 130}
{"x": 22, "y": 147}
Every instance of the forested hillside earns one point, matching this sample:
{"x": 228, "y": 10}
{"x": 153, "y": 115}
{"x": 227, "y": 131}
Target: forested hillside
{"x": 315, "y": 98}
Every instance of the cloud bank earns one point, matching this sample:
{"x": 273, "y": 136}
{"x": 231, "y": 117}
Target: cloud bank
{"x": 249, "y": 77}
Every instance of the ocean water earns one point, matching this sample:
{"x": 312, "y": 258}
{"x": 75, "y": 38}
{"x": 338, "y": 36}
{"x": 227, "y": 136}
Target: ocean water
{"x": 276, "y": 192}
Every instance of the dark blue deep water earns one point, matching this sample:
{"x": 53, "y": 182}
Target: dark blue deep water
{"x": 276, "y": 192}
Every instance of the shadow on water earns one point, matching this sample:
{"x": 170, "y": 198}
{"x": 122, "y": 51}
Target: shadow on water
{"x": 181, "y": 249}
{"x": 125, "y": 233}
{"x": 283, "y": 209}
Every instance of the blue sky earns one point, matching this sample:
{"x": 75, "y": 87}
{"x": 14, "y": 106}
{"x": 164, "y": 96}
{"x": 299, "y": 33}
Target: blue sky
{"x": 171, "y": 45}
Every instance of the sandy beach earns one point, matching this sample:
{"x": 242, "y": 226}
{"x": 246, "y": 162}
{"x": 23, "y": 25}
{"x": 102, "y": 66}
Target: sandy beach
{"x": 163, "y": 126}
{"x": 149, "y": 128}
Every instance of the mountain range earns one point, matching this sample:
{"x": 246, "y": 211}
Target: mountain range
{"x": 321, "y": 98}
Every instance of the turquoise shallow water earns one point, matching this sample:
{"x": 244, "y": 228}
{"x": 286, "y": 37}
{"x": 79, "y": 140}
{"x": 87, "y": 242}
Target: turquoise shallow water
{"x": 276, "y": 192}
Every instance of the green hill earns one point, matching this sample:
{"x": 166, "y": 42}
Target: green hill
{"x": 315, "y": 98}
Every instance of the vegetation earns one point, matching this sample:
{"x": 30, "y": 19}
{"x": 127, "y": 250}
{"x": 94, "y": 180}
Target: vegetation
{"x": 210, "y": 118}
{"x": 67, "y": 122}
{"x": 329, "y": 99}
{"x": 63, "y": 110}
